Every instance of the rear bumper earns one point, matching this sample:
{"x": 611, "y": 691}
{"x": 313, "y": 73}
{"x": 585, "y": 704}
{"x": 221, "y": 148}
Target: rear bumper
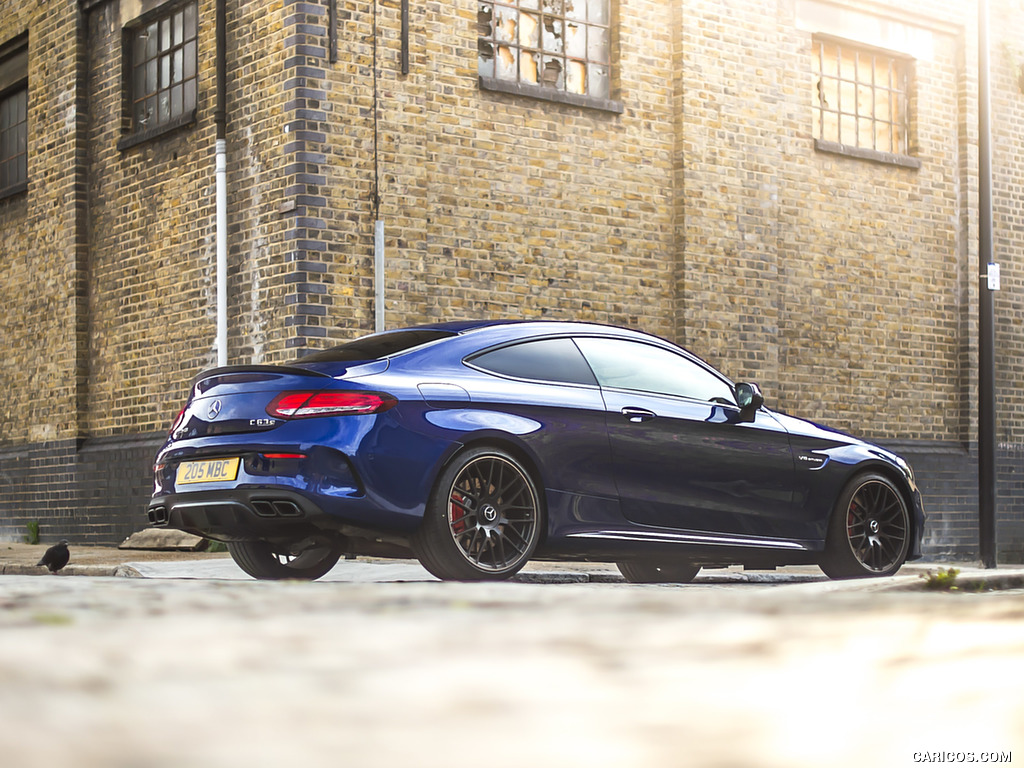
{"x": 241, "y": 514}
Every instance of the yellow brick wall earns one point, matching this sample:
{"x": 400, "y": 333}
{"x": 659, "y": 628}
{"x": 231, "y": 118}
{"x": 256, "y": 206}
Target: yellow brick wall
{"x": 38, "y": 258}
{"x": 702, "y": 212}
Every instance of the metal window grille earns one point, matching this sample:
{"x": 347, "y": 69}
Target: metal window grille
{"x": 563, "y": 45}
{"x": 14, "y": 138}
{"x": 163, "y": 75}
{"x": 860, "y": 97}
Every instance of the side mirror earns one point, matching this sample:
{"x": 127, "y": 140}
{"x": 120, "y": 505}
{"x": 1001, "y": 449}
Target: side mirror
{"x": 748, "y": 396}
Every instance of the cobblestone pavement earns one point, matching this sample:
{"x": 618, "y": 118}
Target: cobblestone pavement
{"x": 147, "y": 673}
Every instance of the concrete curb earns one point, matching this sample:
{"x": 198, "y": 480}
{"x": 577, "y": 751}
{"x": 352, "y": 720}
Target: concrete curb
{"x": 125, "y": 571}
{"x": 972, "y": 582}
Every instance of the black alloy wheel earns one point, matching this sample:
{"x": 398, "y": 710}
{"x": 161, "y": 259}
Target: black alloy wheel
{"x": 869, "y": 534}
{"x": 655, "y": 573}
{"x": 263, "y": 560}
{"x": 483, "y": 521}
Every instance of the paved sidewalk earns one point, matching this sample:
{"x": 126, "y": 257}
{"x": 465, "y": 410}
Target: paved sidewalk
{"x": 209, "y": 673}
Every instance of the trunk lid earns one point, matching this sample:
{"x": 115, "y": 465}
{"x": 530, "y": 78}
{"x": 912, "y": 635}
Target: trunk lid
{"x": 234, "y": 400}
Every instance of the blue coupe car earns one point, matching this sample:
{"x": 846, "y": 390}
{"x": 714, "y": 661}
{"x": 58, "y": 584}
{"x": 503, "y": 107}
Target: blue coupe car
{"x": 478, "y": 446}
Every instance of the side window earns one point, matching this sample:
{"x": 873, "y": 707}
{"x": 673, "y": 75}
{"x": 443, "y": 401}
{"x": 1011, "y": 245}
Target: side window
{"x": 622, "y": 364}
{"x": 545, "y": 360}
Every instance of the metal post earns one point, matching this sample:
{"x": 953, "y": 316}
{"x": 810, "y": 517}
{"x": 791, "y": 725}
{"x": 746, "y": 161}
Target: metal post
{"x": 405, "y": 37}
{"x": 378, "y": 275}
{"x": 986, "y": 311}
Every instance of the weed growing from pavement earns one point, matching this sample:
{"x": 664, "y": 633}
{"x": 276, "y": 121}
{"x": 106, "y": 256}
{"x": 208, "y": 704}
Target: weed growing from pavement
{"x": 943, "y": 581}
{"x": 33, "y": 532}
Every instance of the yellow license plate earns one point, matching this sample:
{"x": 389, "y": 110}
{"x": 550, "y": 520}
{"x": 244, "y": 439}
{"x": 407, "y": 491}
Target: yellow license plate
{"x": 209, "y": 471}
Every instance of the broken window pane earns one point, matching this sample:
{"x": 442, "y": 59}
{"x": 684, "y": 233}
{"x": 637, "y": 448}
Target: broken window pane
{"x": 527, "y": 67}
{"x": 485, "y": 58}
{"x": 529, "y": 30}
{"x": 527, "y": 41}
{"x": 505, "y": 63}
{"x": 553, "y": 36}
{"x": 484, "y": 20}
{"x": 504, "y": 25}
{"x": 552, "y": 73}
{"x": 576, "y": 77}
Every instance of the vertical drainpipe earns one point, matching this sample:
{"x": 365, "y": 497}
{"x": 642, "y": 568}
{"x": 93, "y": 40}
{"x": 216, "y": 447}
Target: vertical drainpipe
{"x": 221, "y": 169}
{"x": 378, "y": 222}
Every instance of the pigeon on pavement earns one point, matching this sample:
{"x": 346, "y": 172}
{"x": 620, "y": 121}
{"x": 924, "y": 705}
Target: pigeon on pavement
{"x": 56, "y": 557}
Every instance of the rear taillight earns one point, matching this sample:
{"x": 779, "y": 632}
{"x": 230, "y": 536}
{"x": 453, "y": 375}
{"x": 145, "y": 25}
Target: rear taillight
{"x": 177, "y": 421}
{"x": 305, "y": 405}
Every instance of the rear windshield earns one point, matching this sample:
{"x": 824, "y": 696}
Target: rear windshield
{"x": 375, "y": 347}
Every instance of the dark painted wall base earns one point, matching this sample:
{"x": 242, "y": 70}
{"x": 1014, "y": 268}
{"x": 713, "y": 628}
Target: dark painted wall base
{"x": 90, "y": 492}
{"x": 95, "y": 492}
{"x": 947, "y": 474}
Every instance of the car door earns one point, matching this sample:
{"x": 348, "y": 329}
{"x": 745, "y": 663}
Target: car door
{"x": 684, "y": 455}
{"x": 547, "y": 380}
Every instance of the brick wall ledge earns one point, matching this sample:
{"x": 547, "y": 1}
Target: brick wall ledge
{"x": 929, "y": 447}
{"x": 149, "y": 439}
{"x": 550, "y": 94}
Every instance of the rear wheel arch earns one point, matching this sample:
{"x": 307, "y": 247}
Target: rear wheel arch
{"x": 501, "y": 443}
{"x": 458, "y": 556}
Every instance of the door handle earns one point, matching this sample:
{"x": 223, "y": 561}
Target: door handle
{"x": 638, "y": 415}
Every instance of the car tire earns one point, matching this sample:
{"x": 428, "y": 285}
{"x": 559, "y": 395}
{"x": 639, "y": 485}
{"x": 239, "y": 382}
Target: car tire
{"x": 869, "y": 531}
{"x": 664, "y": 573}
{"x": 484, "y": 518}
{"x": 265, "y": 561}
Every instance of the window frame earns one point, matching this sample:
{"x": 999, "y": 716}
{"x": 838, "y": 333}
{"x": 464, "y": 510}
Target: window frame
{"x": 517, "y": 87}
{"x": 156, "y": 17}
{"x": 903, "y": 91}
{"x": 14, "y": 84}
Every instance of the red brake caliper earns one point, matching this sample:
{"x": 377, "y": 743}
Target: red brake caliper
{"x": 457, "y": 513}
